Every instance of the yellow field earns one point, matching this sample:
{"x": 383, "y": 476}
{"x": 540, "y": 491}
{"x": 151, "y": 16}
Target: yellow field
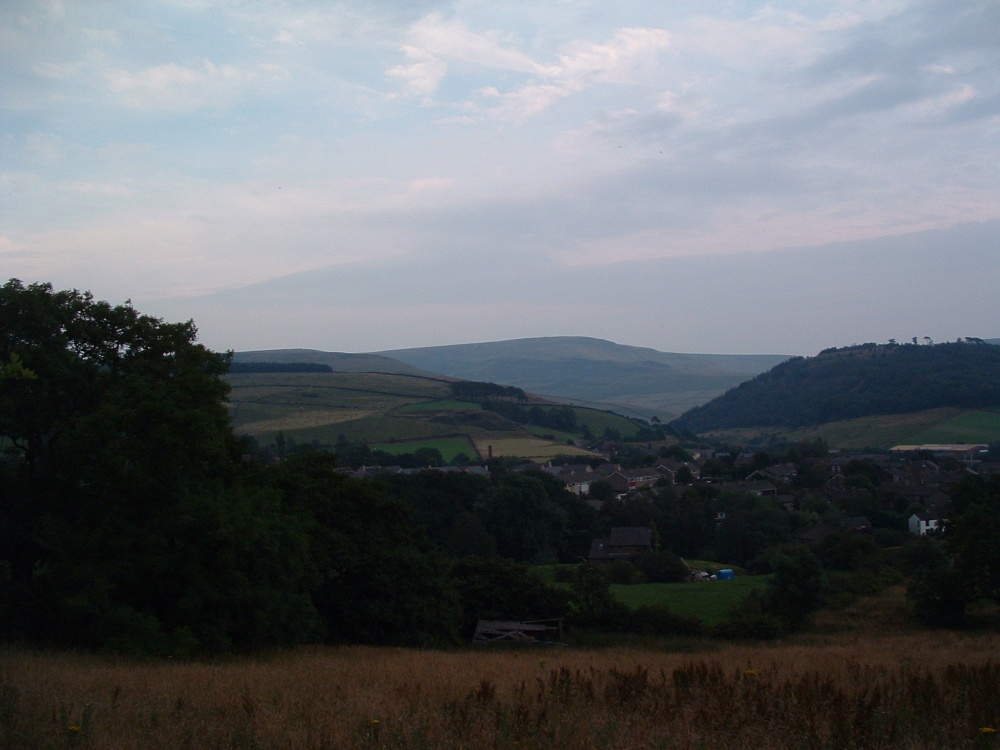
{"x": 916, "y": 691}
{"x": 534, "y": 449}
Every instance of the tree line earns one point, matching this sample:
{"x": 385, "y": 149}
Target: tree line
{"x": 133, "y": 518}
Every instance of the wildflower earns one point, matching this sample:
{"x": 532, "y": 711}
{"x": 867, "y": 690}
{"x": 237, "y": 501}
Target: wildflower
{"x": 374, "y": 722}
{"x": 73, "y": 729}
{"x": 541, "y": 663}
{"x": 750, "y": 673}
{"x": 987, "y": 730}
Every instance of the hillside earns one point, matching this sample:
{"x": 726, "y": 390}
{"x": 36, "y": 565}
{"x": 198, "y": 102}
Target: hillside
{"x": 594, "y": 371}
{"x": 396, "y": 413}
{"x": 854, "y": 382}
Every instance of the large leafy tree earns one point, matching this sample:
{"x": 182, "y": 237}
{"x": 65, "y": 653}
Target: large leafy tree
{"x": 124, "y": 512}
{"x": 964, "y": 566}
{"x": 377, "y": 579}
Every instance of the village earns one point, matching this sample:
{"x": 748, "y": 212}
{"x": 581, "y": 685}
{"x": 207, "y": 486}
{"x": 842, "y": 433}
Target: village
{"x": 904, "y": 491}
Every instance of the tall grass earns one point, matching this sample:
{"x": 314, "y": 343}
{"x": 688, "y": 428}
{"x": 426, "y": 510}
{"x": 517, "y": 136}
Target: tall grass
{"x": 911, "y": 691}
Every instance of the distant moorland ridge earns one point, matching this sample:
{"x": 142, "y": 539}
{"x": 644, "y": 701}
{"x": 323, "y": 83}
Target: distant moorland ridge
{"x": 641, "y": 380}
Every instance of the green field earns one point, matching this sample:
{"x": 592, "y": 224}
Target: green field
{"x": 397, "y": 413}
{"x": 448, "y": 447}
{"x": 710, "y": 601}
{"x": 947, "y": 425}
{"x": 442, "y": 405}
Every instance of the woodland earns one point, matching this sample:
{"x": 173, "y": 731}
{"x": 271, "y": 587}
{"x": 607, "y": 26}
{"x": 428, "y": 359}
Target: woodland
{"x": 133, "y": 519}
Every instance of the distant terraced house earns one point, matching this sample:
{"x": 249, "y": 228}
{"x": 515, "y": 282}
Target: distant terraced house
{"x": 579, "y": 483}
{"x": 623, "y": 543}
{"x": 629, "y": 480}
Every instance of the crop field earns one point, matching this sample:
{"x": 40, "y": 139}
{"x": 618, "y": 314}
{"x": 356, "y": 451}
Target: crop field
{"x": 536, "y": 449}
{"x": 864, "y": 690}
{"x": 397, "y": 413}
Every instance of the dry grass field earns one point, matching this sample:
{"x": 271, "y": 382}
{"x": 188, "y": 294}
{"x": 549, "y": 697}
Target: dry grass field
{"x": 916, "y": 690}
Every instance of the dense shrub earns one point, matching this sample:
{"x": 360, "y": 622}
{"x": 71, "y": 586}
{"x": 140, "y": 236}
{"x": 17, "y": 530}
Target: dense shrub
{"x": 661, "y": 566}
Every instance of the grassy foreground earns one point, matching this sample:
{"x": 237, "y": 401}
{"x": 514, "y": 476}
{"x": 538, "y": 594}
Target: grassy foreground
{"x": 935, "y": 690}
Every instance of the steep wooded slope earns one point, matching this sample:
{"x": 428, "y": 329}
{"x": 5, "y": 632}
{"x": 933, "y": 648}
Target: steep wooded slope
{"x": 855, "y": 382}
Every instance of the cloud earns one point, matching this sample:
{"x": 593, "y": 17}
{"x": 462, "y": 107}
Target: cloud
{"x": 422, "y": 76}
{"x": 436, "y": 42}
{"x": 188, "y": 146}
{"x": 177, "y": 87}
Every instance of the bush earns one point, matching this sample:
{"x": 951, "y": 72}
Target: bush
{"x": 623, "y": 572}
{"x": 591, "y": 602}
{"x": 659, "y": 619}
{"x": 751, "y": 619}
{"x": 797, "y": 585}
{"x": 563, "y": 574}
{"x": 661, "y": 566}
{"x": 500, "y": 589}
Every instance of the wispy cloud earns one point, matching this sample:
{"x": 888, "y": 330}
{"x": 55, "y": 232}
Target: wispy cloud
{"x": 436, "y": 42}
{"x": 182, "y": 146}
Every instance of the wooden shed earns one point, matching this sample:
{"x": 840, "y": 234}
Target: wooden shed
{"x": 529, "y": 631}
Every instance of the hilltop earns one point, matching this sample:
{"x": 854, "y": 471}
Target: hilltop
{"x": 636, "y": 380}
{"x": 858, "y": 381}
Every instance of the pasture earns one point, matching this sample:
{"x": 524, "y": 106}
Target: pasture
{"x": 448, "y": 447}
{"x": 397, "y": 413}
{"x": 947, "y": 425}
{"x": 709, "y": 601}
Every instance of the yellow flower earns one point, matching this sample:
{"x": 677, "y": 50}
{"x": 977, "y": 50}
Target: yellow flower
{"x": 374, "y": 722}
{"x": 987, "y": 730}
{"x": 73, "y": 729}
{"x": 750, "y": 673}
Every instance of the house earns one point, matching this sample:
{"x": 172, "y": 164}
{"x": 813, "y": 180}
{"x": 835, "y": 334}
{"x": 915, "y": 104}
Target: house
{"x": 558, "y": 471}
{"x": 670, "y": 469}
{"x": 820, "y": 531}
{"x": 760, "y": 489}
{"x": 628, "y": 480}
{"x": 579, "y": 483}
{"x": 921, "y": 524}
{"x": 960, "y": 451}
{"x": 816, "y": 533}
{"x": 779, "y": 474}
{"x": 930, "y": 497}
{"x": 623, "y": 543}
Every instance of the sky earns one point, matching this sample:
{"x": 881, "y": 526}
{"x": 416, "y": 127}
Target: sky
{"x": 716, "y": 177}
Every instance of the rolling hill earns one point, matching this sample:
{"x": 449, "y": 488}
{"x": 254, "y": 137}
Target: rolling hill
{"x": 641, "y": 381}
{"x": 397, "y": 413}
